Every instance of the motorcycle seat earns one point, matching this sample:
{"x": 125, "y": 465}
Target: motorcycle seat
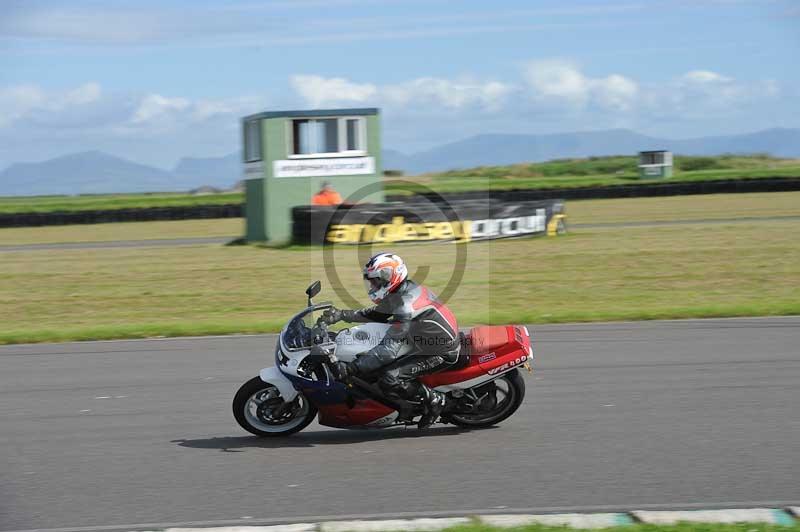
{"x": 487, "y": 338}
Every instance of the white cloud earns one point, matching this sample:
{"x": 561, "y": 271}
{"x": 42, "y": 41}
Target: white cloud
{"x": 154, "y": 107}
{"x": 318, "y": 91}
{"x": 699, "y": 92}
{"x": 615, "y": 92}
{"x": 562, "y": 81}
{"x": 557, "y": 79}
{"x": 547, "y": 95}
{"x": 452, "y": 94}
{"x": 704, "y": 76}
{"x": 206, "y": 109}
{"x": 19, "y": 101}
{"x": 87, "y": 93}
{"x": 37, "y": 123}
{"x": 87, "y": 107}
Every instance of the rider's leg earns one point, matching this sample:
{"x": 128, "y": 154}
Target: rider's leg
{"x": 401, "y": 380}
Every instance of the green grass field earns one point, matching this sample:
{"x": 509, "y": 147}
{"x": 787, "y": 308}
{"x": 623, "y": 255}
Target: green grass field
{"x": 225, "y": 227}
{"x": 702, "y": 270}
{"x": 701, "y": 207}
{"x": 9, "y": 204}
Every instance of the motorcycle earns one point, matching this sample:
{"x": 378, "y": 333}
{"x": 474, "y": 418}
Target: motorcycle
{"x": 483, "y": 386}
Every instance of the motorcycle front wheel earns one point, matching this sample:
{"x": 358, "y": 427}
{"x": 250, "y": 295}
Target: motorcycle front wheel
{"x": 508, "y": 391}
{"x": 259, "y": 409}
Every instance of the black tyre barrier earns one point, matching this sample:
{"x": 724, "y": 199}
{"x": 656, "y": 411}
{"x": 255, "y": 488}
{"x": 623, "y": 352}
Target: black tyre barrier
{"x": 638, "y": 190}
{"x": 148, "y": 214}
{"x": 777, "y": 184}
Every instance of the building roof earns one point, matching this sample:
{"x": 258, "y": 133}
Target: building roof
{"x": 315, "y": 113}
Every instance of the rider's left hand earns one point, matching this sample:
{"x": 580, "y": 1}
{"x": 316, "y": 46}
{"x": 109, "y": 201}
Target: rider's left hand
{"x": 332, "y": 315}
{"x": 346, "y": 370}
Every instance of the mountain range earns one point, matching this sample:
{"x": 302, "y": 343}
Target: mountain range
{"x": 95, "y": 172}
{"x": 499, "y": 149}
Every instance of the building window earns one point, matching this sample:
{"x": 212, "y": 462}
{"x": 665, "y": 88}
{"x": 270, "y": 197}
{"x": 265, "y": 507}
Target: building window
{"x": 315, "y": 136}
{"x": 354, "y": 134}
{"x": 652, "y": 158}
{"x": 252, "y": 141}
{"x": 327, "y": 136}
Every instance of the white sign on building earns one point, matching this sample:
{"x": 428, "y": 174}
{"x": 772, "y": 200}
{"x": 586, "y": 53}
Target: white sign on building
{"x": 324, "y": 167}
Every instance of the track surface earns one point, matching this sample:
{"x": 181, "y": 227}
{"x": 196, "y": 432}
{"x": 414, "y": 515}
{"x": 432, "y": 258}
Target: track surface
{"x": 618, "y": 415}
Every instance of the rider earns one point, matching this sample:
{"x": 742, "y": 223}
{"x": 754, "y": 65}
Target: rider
{"x": 418, "y": 319}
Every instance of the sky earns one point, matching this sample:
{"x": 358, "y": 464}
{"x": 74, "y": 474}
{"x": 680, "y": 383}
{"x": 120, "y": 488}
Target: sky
{"x": 154, "y": 81}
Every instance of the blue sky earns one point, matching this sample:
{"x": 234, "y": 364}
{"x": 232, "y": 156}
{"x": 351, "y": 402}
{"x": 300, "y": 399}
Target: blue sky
{"x": 154, "y": 81}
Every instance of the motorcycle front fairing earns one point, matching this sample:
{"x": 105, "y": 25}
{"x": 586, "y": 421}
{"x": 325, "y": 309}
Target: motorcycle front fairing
{"x": 300, "y": 368}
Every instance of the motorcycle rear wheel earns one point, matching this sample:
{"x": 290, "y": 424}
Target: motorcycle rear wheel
{"x": 257, "y": 408}
{"x": 512, "y": 387}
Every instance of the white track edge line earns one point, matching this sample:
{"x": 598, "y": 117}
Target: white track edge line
{"x": 411, "y": 515}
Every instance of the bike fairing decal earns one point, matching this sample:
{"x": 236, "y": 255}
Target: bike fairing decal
{"x": 507, "y": 365}
{"x": 486, "y": 358}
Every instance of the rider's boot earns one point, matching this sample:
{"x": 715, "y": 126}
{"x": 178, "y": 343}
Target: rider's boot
{"x": 434, "y": 404}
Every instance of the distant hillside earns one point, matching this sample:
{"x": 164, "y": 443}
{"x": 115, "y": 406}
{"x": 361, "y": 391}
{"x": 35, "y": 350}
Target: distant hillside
{"x": 94, "y": 172}
{"x": 395, "y": 160}
{"x": 488, "y": 150}
{"x": 90, "y": 172}
{"x": 220, "y": 172}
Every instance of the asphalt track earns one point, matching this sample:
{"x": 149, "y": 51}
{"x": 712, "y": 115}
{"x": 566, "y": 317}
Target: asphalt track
{"x": 139, "y": 434}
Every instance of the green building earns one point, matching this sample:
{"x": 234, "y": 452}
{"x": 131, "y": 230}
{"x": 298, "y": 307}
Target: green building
{"x": 289, "y": 154}
{"x": 655, "y": 164}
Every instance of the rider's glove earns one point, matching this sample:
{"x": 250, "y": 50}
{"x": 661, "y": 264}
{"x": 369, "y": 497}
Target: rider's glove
{"x": 332, "y": 315}
{"x": 346, "y": 370}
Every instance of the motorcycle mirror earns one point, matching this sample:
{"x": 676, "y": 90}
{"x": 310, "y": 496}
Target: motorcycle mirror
{"x": 313, "y": 290}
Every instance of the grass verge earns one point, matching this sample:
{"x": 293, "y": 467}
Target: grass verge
{"x": 9, "y": 204}
{"x": 682, "y": 527}
{"x": 673, "y": 208}
{"x": 685, "y": 271}
{"x": 223, "y": 227}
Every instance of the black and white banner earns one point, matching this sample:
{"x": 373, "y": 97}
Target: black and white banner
{"x": 459, "y": 221}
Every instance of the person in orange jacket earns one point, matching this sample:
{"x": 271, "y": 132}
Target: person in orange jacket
{"x": 326, "y": 196}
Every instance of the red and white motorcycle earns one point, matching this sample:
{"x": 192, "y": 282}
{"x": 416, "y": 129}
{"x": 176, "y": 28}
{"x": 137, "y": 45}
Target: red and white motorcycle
{"x": 483, "y": 386}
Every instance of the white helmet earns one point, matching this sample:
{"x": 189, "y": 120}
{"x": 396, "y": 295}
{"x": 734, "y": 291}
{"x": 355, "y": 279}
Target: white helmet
{"x": 382, "y": 274}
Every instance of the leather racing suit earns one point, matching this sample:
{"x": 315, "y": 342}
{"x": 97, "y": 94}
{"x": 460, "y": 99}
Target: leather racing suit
{"x": 423, "y": 338}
